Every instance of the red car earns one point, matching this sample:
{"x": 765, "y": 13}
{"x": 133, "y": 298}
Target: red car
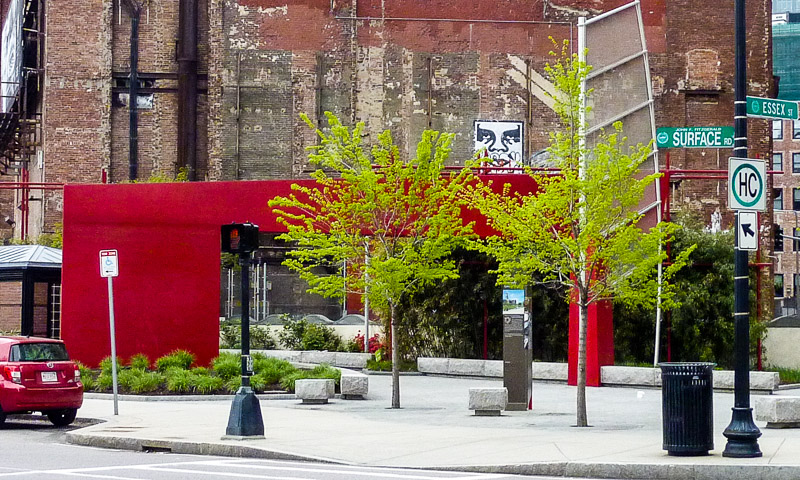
{"x": 36, "y": 374}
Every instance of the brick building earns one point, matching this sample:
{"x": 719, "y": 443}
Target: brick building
{"x": 230, "y": 78}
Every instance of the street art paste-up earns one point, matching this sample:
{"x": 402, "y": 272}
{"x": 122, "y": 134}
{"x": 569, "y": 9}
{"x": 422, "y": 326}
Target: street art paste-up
{"x": 500, "y": 142}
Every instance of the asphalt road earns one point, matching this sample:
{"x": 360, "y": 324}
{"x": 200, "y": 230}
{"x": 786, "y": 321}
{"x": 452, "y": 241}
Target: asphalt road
{"x": 34, "y": 449}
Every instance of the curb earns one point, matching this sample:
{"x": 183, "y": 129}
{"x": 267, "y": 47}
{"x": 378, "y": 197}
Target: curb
{"x": 184, "y": 398}
{"x": 638, "y": 471}
{"x": 191, "y": 448}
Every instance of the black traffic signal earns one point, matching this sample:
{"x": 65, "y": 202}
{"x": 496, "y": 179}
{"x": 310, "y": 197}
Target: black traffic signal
{"x": 777, "y": 235}
{"x": 239, "y": 238}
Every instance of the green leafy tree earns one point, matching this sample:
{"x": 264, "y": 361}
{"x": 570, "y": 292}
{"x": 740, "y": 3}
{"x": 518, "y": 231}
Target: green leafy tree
{"x": 402, "y": 214}
{"x": 580, "y": 229}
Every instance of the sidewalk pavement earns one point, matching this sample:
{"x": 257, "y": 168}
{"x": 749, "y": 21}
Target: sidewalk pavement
{"x": 434, "y": 429}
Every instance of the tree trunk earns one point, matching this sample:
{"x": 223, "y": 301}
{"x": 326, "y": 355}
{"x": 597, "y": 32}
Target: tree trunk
{"x": 395, "y": 362}
{"x": 581, "y": 393}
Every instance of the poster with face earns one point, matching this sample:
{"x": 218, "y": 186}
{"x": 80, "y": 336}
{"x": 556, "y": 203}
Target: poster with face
{"x": 502, "y": 141}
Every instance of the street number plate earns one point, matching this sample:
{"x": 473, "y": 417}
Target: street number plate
{"x": 49, "y": 377}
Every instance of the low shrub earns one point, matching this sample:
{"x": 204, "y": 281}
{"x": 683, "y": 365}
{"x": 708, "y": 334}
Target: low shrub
{"x": 272, "y": 369}
{"x": 139, "y": 362}
{"x": 232, "y": 384}
{"x": 227, "y": 365}
{"x": 87, "y": 377}
{"x": 302, "y": 335}
{"x": 180, "y": 380}
{"x": 356, "y": 344}
{"x": 320, "y": 371}
{"x": 105, "y": 365}
{"x": 178, "y": 358}
{"x": 206, "y": 384}
{"x": 787, "y": 375}
{"x": 105, "y": 381}
{"x": 260, "y": 339}
{"x": 145, "y": 382}
{"x": 201, "y": 371}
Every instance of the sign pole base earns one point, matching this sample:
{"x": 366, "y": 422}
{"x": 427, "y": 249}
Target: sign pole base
{"x": 245, "y": 422}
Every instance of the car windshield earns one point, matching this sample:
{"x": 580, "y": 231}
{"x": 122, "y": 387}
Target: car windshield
{"x": 38, "y": 352}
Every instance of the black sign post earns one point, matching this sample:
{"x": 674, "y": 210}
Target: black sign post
{"x": 742, "y": 433}
{"x": 245, "y": 419}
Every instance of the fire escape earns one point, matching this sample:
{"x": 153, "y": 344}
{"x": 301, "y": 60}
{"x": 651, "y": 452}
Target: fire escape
{"x": 21, "y": 102}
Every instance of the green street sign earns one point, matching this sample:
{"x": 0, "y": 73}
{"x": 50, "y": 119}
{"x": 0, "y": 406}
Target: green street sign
{"x": 771, "y": 108}
{"x": 694, "y": 137}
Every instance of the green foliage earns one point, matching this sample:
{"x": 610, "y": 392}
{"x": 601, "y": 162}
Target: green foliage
{"x": 205, "y": 384}
{"x": 144, "y": 382}
{"x": 385, "y": 365}
{"x": 161, "y": 177}
{"x": 408, "y": 209}
{"x": 105, "y": 365}
{"x": 580, "y": 230}
{"x": 447, "y": 319}
{"x": 302, "y": 335}
{"x": 139, "y": 362}
{"x": 178, "y": 358}
{"x": 320, "y": 371}
{"x": 105, "y": 381}
{"x": 233, "y": 384}
{"x": 87, "y": 377}
{"x": 702, "y": 324}
{"x": 270, "y": 370}
{"x": 787, "y": 375}
{"x": 260, "y": 339}
{"x": 180, "y": 380}
{"x": 227, "y": 365}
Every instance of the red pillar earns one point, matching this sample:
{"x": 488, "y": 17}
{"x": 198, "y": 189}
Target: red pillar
{"x": 599, "y": 342}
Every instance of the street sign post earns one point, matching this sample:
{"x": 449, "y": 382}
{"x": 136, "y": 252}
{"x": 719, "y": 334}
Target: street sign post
{"x": 694, "y": 137}
{"x": 747, "y": 230}
{"x": 772, "y": 108}
{"x": 747, "y": 180}
{"x": 109, "y": 268}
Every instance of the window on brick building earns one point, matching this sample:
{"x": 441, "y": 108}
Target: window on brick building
{"x": 777, "y": 129}
{"x": 777, "y": 236}
{"x": 777, "y": 199}
{"x": 778, "y": 285}
{"x": 796, "y": 199}
{"x": 795, "y": 162}
{"x": 777, "y": 162}
{"x": 795, "y": 242}
{"x": 796, "y": 285}
{"x": 795, "y": 129}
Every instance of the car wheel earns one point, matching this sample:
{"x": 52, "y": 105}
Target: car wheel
{"x": 62, "y": 418}
{"x": 2, "y": 417}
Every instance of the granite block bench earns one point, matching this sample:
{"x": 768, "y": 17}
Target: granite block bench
{"x": 778, "y": 411}
{"x": 488, "y": 401}
{"x": 315, "y": 390}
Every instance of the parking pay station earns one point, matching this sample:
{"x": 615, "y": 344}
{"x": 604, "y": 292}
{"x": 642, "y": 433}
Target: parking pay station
{"x": 517, "y": 353}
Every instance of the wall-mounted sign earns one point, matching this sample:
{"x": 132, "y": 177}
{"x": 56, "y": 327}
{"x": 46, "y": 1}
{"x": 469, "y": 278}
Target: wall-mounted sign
{"x": 500, "y": 142}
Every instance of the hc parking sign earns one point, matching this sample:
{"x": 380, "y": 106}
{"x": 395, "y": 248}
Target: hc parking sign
{"x": 747, "y": 180}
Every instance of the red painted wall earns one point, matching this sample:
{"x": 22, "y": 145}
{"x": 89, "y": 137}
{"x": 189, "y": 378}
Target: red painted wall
{"x": 168, "y": 239}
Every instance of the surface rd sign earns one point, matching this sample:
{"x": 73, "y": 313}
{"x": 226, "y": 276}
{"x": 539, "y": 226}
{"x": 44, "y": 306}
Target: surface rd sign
{"x": 747, "y": 180}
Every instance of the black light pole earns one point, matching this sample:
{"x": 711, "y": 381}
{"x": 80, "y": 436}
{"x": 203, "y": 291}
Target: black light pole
{"x": 742, "y": 433}
{"x": 245, "y": 419}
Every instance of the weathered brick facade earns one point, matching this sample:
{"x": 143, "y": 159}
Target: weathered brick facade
{"x": 403, "y": 65}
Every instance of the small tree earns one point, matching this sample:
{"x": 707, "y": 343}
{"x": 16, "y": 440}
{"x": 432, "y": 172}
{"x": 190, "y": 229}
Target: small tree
{"x": 403, "y": 215}
{"x": 580, "y": 228}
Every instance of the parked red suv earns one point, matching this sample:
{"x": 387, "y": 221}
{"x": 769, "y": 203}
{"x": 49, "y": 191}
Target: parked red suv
{"x": 36, "y": 374}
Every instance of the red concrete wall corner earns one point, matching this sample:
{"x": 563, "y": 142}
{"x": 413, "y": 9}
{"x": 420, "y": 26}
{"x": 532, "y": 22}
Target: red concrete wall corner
{"x": 167, "y": 236}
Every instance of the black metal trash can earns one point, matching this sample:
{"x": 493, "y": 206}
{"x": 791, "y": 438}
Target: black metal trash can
{"x": 687, "y": 403}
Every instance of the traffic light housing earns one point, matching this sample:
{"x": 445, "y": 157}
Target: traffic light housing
{"x": 239, "y": 238}
{"x": 777, "y": 235}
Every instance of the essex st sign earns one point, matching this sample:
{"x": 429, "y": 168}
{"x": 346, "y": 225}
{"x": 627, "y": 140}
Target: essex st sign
{"x": 694, "y": 137}
{"x": 747, "y": 179}
{"x": 772, "y": 108}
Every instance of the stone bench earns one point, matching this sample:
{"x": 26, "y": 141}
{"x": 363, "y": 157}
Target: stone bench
{"x": 778, "y": 411}
{"x": 315, "y": 390}
{"x": 488, "y": 401}
{"x": 354, "y": 385}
